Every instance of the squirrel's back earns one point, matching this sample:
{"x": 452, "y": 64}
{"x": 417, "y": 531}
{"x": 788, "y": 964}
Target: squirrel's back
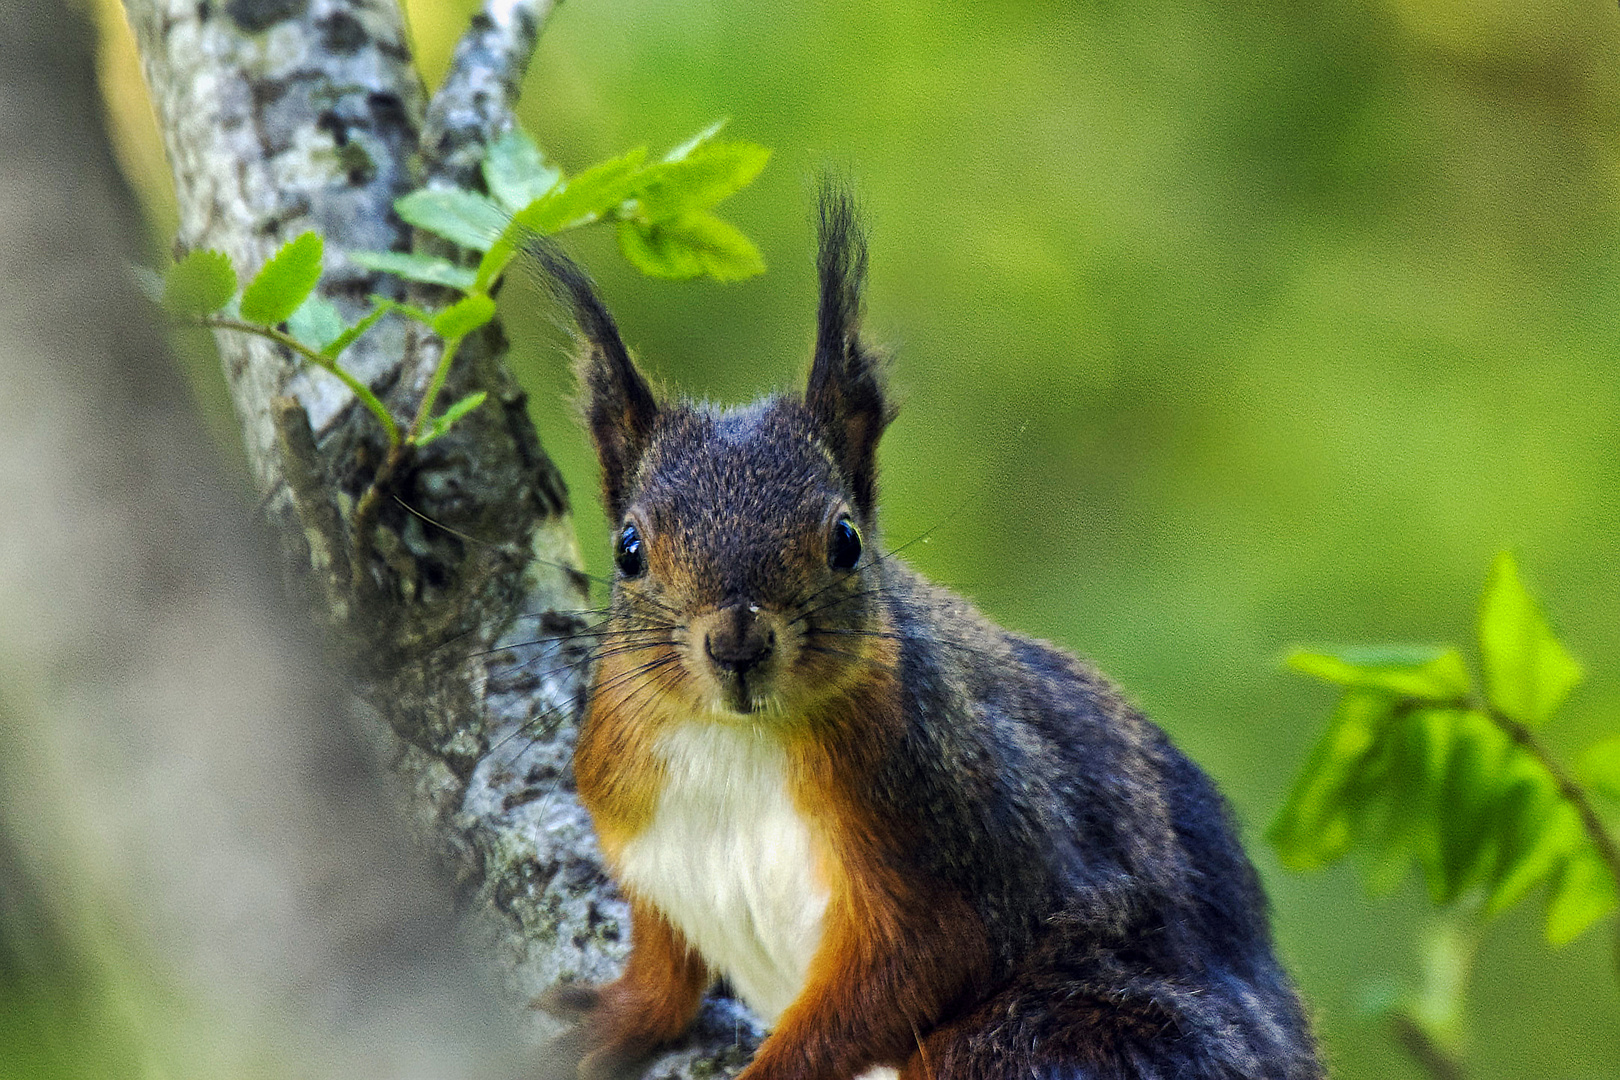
{"x": 1153, "y": 935}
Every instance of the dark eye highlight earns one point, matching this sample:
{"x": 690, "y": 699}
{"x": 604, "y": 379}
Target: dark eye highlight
{"x": 843, "y": 545}
{"x": 629, "y": 554}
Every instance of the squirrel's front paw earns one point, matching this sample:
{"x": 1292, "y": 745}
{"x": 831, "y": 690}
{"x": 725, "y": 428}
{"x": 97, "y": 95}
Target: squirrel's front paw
{"x": 569, "y": 1001}
{"x": 614, "y": 1063}
{"x": 604, "y": 1043}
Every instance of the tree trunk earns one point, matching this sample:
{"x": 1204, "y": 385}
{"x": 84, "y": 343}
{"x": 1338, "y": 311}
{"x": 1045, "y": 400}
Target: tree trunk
{"x": 193, "y": 842}
{"x": 459, "y": 616}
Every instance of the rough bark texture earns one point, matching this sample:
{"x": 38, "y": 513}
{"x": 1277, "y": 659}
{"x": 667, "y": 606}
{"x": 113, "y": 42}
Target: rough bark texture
{"x": 286, "y": 115}
{"x": 474, "y": 105}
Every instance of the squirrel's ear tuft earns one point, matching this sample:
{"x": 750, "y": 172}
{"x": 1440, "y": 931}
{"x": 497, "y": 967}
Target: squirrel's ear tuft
{"x": 618, "y": 404}
{"x": 845, "y": 393}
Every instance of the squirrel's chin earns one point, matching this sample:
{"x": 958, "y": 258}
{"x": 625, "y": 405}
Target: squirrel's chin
{"x": 736, "y": 699}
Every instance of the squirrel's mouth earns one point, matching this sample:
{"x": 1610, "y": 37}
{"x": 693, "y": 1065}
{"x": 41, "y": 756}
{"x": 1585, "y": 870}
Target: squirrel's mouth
{"x": 737, "y": 696}
{"x": 737, "y": 651}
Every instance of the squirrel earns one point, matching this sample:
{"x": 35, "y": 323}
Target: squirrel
{"x": 910, "y": 840}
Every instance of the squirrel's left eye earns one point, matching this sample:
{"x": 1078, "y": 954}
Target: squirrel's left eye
{"x": 628, "y": 552}
{"x": 844, "y": 545}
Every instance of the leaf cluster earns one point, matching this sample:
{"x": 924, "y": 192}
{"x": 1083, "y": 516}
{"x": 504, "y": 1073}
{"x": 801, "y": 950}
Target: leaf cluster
{"x": 1416, "y": 767}
{"x": 280, "y": 303}
{"x": 663, "y": 211}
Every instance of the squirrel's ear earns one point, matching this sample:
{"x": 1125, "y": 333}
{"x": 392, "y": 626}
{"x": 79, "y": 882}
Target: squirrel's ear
{"x": 619, "y": 406}
{"x": 845, "y": 393}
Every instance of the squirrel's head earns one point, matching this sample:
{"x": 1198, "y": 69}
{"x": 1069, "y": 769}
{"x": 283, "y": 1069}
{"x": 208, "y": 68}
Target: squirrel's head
{"x": 742, "y": 537}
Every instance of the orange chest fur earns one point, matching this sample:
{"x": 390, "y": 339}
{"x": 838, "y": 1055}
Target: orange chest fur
{"x": 739, "y": 833}
{"x": 631, "y": 750}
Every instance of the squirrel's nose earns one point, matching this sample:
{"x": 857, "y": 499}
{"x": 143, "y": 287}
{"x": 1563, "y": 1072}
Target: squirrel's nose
{"x": 739, "y": 640}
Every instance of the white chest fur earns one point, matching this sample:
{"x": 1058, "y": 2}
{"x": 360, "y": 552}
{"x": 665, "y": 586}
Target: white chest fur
{"x": 732, "y": 863}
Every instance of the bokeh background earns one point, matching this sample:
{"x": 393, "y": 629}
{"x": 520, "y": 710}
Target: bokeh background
{"x": 1221, "y": 326}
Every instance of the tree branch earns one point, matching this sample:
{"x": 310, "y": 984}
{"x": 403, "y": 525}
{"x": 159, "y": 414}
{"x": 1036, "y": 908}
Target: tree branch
{"x": 1429, "y": 1055}
{"x": 473, "y": 106}
{"x": 284, "y": 117}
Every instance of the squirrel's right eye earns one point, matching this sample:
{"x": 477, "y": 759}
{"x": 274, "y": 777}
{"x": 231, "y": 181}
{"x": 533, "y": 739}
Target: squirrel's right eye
{"x": 628, "y": 553}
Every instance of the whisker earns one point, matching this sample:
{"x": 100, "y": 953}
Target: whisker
{"x": 598, "y": 631}
{"x": 536, "y": 731}
{"x": 650, "y": 686}
{"x": 479, "y": 541}
{"x": 594, "y": 657}
{"x": 585, "y": 635}
{"x": 606, "y": 615}
{"x": 845, "y": 654}
{"x": 840, "y": 631}
{"x": 530, "y": 556}
{"x": 850, "y": 631}
{"x": 585, "y": 661}
{"x": 876, "y": 590}
{"x": 588, "y": 634}
{"x": 635, "y": 672}
{"x": 886, "y": 556}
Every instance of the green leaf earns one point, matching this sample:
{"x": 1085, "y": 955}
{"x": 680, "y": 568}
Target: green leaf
{"x": 441, "y": 423}
{"x": 501, "y": 253}
{"x": 515, "y": 171}
{"x": 464, "y": 316}
{"x": 1469, "y": 839}
{"x": 1538, "y": 830}
{"x": 463, "y": 217}
{"x": 334, "y": 348}
{"x": 690, "y": 245}
{"x": 686, "y": 148}
{"x": 1378, "y": 820}
{"x": 710, "y": 173}
{"x": 1416, "y": 785}
{"x": 1584, "y": 894}
{"x": 316, "y": 322}
{"x": 1527, "y": 672}
{"x": 1424, "y": 673}
{"x": 1316, "y": 824}
{"x": 592, "y": 194}
{"x": 411, "y": 266}
{"x": 199, "y": 284}
{"x": 1599, "y": 767}
{"x": 284, "y": 281}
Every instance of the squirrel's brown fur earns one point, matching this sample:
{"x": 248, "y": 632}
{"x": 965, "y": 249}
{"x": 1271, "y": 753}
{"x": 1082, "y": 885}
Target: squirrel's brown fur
{"x": 990, "y": 865}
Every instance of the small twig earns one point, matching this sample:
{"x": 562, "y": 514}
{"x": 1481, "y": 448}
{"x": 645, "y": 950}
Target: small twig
{"x": 356, "y": 387}
{"x": 365, "y": 514}
{"x": 473, "y": 106}
{"x": 1429, "y": 1054}
{"x": 312, "y": 501}
{"x": 399, "y": 447}
{"x": 441, "y": 371}
{"x": 471, "y": 109}
{"x": 1607, "y": 848}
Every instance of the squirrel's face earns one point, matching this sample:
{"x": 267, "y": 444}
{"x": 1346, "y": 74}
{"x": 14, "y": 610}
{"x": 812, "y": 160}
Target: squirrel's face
{"x": 741, "y": 540}
{"x": 742, "y": 566}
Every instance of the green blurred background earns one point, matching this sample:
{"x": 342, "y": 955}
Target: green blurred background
{"x": 1221, "y": 327}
